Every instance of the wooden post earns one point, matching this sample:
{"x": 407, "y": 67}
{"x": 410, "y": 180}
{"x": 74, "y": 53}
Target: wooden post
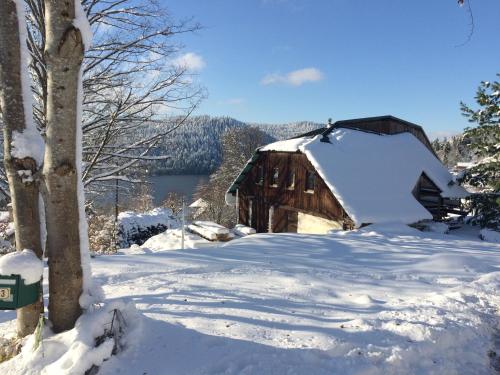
{"x": 237, "y": 206}
{"x": 271, "y": 215}
{"x": 183, "y": 224}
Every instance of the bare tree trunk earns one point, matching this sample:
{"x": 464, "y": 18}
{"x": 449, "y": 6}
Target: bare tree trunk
{"x": 21, "y": 172}
{"x": 64, "y": 55}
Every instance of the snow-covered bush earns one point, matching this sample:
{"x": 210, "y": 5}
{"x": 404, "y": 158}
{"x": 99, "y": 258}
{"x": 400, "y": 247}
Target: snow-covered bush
{"x": 102, "y": 234}
{"x": 6, "y": 247}
{"x": 136, "y": 228}
{"x": 173, "y": 202}
{"x": 6, "y": 233}
{"x": 9, "y": 347}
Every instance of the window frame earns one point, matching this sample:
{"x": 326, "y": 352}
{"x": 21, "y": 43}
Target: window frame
{"x": 292, "y": 174}
{"x": 260, "y": 175}
{"x": 307, "y": 188}
{"x": 275, "y": 176}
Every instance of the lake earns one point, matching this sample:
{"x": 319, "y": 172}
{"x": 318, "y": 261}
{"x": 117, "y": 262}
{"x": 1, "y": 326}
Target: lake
{"x": 160, "y": 187}
{"x": 184, "y": 185}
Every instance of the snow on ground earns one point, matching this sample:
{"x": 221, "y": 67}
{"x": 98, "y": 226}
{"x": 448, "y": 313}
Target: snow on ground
{"x": 490, "y": 235}
{"x": 376, "y": 301}
{"x": 74, "y": 352}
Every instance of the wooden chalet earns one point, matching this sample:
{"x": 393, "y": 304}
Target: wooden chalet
{"x": 349, "y": 174}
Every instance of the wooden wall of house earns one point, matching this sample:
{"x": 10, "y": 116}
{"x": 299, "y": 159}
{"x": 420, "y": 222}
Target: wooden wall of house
{"x": 320, "y": 202}
{"x": 429, "y": 196}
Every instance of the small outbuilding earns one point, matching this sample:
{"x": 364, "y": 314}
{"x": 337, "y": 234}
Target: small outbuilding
{"x": 343, "y": 176}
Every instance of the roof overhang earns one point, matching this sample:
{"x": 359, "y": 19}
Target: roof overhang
{"x": 231, "y": 192}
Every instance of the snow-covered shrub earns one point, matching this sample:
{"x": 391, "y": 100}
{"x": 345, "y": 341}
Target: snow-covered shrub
{"x": 6, "y": 233}
{"x": 173, "y": 202}
{"x": 6, "y": 247}
{"x": 171, "y": 240}
{"x": 102, "y": 234}
{"x": 143, "y": 199}
{"x": 136, "y": 228}
{"x": 9, "y": 347}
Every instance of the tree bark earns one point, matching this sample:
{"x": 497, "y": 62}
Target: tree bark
{"x": 64, "y": 55}
{"x": 24, "y": 194}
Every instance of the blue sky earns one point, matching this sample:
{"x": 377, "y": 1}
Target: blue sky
{"x": 288, "y": 60}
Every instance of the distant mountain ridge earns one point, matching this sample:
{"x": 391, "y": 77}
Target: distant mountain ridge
{"x": 195, "y": 147}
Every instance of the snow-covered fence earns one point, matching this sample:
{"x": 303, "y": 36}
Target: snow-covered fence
{"x": 137, "y": 228}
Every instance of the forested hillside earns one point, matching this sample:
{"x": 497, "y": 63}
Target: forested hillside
{"x": 195, "y": 147}
{"x": 453, "y": 150}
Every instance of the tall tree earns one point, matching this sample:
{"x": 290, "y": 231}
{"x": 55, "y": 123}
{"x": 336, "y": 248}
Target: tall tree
{"x": 133, "y": 82}
{"x": 238, "y": 146}
{"x": 485, "y": 142}
{"x": 23, "y": 146}
{"x": 67, "y": 33}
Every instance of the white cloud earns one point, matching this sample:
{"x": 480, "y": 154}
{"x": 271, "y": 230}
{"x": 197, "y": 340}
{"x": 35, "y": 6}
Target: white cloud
{"x": 294, "y": 78}
{"x": 191, "y": 61}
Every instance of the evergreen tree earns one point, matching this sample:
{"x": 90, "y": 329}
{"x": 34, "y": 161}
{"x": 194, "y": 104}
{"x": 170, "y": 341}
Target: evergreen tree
{"x": 446, "y": 152}
{"x": 485, "y": 142}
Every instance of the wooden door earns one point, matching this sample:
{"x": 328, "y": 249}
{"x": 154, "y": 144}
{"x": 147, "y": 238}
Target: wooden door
{"x": 292, "y": 221}
{"x": 284, "y": 220}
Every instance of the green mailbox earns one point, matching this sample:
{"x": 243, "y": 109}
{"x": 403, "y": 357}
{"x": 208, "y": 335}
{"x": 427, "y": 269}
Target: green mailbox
{"x": 15, "y": 294}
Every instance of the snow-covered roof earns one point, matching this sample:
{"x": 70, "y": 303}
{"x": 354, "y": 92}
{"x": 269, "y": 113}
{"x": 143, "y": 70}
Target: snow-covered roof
{"x": 199, "y": 203}
{"x": 289, "y": 145}
{"x": 373, "y": 175}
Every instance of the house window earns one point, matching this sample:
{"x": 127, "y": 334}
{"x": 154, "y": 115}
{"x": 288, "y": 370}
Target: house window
{"x": 260, "y": 175}
{"x": 275, "y": 176}
{"x": 290, "y": 180}
{"x": 310, "y": 181}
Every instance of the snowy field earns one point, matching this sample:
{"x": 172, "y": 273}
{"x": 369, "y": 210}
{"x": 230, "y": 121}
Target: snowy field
{"x": 379, "y": 301}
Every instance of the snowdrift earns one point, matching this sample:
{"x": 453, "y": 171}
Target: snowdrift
{"x": 386, "y": 299}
